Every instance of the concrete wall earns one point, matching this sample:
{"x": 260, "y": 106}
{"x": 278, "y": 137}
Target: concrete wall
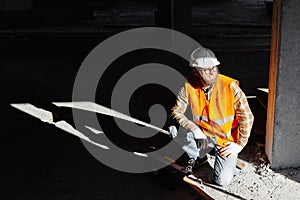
{"x": 286, "y": 134}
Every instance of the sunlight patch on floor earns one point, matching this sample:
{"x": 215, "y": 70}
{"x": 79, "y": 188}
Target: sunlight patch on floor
{"x": 47, "y": 117}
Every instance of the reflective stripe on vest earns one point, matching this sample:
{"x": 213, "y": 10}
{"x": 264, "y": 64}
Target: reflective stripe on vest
{"x": 219, "y": 122}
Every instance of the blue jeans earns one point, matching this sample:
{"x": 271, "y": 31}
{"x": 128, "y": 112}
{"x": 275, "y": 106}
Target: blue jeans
{"x": 224, "y": 168}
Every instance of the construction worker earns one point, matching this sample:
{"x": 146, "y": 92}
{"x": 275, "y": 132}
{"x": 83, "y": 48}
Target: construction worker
{"x": 221, "y": 116}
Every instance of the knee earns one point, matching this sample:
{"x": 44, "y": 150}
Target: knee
{"x": 224, "y": 179}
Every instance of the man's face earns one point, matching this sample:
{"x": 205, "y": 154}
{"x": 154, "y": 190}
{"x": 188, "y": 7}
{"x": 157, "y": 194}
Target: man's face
{"x": 209, "y": 75}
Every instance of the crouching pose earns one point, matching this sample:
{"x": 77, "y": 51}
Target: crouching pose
{"x": 220, "y": 112}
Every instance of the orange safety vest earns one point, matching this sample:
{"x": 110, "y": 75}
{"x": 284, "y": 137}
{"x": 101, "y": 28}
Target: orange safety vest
{"x": 216, "y": 116}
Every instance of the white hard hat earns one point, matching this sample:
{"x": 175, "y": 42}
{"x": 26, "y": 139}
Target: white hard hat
{"x": 204, "y": 58}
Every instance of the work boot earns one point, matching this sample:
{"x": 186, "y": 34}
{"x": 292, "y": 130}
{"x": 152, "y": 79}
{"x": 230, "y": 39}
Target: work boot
{"x": 194, "y": 164}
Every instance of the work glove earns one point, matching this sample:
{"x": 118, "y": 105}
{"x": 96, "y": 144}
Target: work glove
{"x": 173, "y": 131}
{"x": 200, "y": 138}
{"x": 230, "y": 149}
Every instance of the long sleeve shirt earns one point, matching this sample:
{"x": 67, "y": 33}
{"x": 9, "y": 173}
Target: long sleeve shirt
{"x": 241, "y": 107}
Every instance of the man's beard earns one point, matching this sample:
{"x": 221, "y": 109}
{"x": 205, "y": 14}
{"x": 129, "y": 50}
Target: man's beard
{"x": 209, "y": 82}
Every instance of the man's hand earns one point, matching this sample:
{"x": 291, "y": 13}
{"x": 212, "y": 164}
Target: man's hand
{"x": 200, "y": 138}
{"x": 230, "y": 149}
{"x": 198, "y": 134}
{"x": 202, "y": 143}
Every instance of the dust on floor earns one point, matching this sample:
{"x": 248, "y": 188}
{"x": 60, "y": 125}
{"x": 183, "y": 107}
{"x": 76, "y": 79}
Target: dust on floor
{"x": 256, "y": 181}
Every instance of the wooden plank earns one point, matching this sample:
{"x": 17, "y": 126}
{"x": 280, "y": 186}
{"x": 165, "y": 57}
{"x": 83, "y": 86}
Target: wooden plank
{"x": 197, "y": 187}
{"x": 241, "y": 164}
{"x": 190, "y": 179}
{"x": 205, "y": 190}
{"x": 272, "y": 78}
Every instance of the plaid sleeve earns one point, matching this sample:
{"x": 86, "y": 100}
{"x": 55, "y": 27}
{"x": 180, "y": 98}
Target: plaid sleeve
{"x": 179, "y": 109}
{"x": 244, "y": 114}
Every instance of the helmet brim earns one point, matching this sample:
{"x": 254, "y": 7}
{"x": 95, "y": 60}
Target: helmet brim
{"x": 206, "y": 62}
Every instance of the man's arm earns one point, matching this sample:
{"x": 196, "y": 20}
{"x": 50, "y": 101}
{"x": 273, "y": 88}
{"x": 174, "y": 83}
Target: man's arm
{"x": 178, "y": 113}
{"x": 244, "y": 114}
{"x": 246, "y": 119}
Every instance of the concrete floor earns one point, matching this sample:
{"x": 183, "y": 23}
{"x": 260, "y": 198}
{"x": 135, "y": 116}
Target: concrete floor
{"x": 42, "y": 162}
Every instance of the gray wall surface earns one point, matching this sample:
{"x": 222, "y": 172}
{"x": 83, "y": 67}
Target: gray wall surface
{"x": 286, "y": 136}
